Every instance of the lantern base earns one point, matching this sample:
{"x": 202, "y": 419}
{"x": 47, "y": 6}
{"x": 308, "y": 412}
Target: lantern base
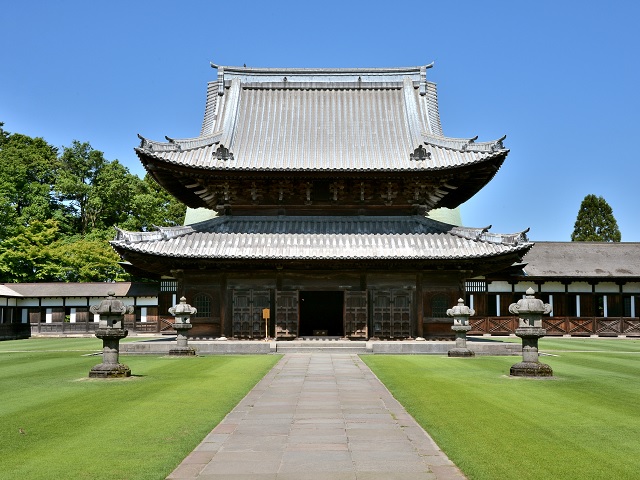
{"x": 182, "y": 352}
{"x": 531, "y": 369}
{"x": 110, "y": 370}
{"x": 461, "y": 352}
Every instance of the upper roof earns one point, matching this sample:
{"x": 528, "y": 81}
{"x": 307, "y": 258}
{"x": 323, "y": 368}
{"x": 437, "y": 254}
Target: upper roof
{"x": 383, "y": 119}
{"x": 583, "y": 259}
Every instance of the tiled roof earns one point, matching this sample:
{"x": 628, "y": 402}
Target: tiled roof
{"x": 323, "y": 238}
{"x": 322, "y": 120}
{"x": 63, "y": 289}
{"x": 583, "y": 259}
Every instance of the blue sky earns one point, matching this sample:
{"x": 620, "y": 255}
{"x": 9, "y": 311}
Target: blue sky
{"x": 560, "y": 78}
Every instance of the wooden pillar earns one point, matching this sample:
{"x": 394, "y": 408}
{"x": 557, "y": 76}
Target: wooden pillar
{"x": 225, "y": 320}
{"x": 419, "y": 305}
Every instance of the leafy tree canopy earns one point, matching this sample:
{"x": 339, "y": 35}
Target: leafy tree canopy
{"x": 58, "y": 210}
{"x": 28, "y": 168}
{"x": 595, "y": 222}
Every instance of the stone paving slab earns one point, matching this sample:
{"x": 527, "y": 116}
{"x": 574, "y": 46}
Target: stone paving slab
{"x": 318, "y": 416}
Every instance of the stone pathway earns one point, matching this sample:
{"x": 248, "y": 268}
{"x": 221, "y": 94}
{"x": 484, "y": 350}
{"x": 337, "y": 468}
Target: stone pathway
{"x": 318, "y": 416}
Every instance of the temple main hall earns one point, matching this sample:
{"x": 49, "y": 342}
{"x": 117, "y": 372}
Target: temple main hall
{"x": 321, "y": 186}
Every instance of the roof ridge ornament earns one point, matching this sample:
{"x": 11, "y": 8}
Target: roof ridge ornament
{"x": 469, "y": 142}
{"x": 144, "y": 143}
{"x": 423, "y": 78}
{"x": 173, "y": 142}
{"x": 498, "y": 145}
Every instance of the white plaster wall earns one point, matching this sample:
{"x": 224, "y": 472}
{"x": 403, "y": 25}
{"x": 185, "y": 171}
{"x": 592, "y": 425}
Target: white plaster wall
{"x": 607, "y": 287}
{"x": 72, "y": 315}
{"x": 95, "y": 300}
{"x": 76, "y": 301}
{"x": 147, "y": 301}
{"x": 53, "y": 302}
{"x": 48, "y": 316}
{"x": 28, "y": 302}
{"x": 524, "y": 286}
{"x": 143, "y": 314}
{"x": 552, "y": 287}
{"x": 25, "y": 316}
{"x": 127, "y": 300}
{"x": 498, "y": 287}
{"x": 579, "y": 287}
{"x": 633, "y": 287}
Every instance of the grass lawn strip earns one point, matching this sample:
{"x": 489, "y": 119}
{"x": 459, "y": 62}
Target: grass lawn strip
{"x": 137, "y": 428}
{"x": 581, "y": 424}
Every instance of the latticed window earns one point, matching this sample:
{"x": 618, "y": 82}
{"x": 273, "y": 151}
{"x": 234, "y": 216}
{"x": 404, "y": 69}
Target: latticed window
{"x": 439, "y": 306}
{"x": 202, "y": 302}
{"x": 475, "y": 286}
{"x": 169, "y": 286}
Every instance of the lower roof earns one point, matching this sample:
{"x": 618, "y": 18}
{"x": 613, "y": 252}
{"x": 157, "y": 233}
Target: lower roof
{"x": 321, "y": 238}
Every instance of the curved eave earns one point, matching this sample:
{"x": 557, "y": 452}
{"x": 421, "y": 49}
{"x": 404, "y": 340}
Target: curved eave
{"x": 468, "y": 178}
{"x": 321, "y": 247}
{"x": 157, "y": 264}
{"x": 203, "y": 159}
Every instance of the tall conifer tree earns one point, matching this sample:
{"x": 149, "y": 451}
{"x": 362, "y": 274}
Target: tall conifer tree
{"x": 595, "y": 222}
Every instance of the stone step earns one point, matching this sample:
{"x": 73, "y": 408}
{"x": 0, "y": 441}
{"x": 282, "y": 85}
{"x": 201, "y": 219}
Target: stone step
{"x": 320, "y": 344}
{"x": 319, "y": 349}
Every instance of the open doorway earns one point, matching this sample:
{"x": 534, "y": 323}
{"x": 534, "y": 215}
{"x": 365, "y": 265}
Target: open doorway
{"x": 321, "y": 314}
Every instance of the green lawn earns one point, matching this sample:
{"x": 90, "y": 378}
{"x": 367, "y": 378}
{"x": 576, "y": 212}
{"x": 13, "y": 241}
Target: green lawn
{"x": 583, "y": 424}
{"x": 135, "y": 428}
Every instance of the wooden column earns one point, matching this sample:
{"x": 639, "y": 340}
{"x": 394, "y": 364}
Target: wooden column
{"x": 225, "y": 323}
{"x": 419, "y": 305}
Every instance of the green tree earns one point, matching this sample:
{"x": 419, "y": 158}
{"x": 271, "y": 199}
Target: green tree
{"x": 27, "y": 256}
{"x": 28, "y": 168}
{"x": 80, "y": 167}
{"x": 152, "y": 205}
{"x": 87, "y": 260}
{"x": 595, "y": 222}
{"x": 4, "y": 135}
{"x": 57, "y": 212}
{"x": 39, "y": 253}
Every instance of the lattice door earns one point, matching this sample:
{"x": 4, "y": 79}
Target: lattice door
{"x": 401, "y": 314}
{"x": 355, "y": 314}
{"x": 247, "y": 313}
{"x": 381, "y": 310}
{"x": 391, "y": 313}
{"x": 286, "y": 314}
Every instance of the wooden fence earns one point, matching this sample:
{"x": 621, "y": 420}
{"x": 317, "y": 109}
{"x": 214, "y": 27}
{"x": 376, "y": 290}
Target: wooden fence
{"x": 559, "y": 326}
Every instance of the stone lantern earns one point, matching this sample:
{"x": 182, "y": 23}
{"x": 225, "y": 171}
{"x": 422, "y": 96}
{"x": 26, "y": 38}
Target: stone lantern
{"x": 530, "y": 311}
{"x": 461, "y": 314}
{"x": 110, "y": 330}
{"x": 182, "y": 313}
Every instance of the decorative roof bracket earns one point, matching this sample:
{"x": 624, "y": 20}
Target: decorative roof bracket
{"x": 420, "y": 154}
{"x": 223, "y": 153}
